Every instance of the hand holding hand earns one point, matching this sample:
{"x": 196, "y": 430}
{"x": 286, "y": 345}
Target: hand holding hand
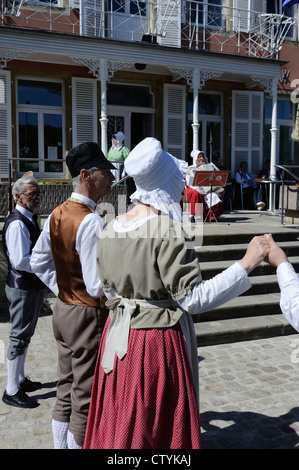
{"x": 276, "y": 255}
{"x": 256, "y": 252}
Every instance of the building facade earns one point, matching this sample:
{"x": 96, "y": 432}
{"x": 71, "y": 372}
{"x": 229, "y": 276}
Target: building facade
{"x": 218, "y": 75}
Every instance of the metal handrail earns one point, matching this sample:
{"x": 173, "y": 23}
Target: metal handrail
{"x": 285, "y": 168}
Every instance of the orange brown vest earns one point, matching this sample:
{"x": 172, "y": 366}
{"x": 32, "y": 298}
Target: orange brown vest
{"x": 64, "y": 224}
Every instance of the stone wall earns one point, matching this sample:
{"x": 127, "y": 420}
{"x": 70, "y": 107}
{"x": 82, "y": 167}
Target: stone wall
{"x": 3, "y": 199}
{"x": 291, "y": 204}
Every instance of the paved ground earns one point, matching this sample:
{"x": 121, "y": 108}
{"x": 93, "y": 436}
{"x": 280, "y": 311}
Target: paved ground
{"x": 249, "y": 393}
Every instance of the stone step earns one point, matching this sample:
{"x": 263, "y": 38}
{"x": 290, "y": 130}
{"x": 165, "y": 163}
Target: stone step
{"x": 235, "y": 251}
{"x": 263, "y": 285}
{"x": 237, "y": 236}
{"x": 241, "y": 329}
{"x": 212, "y": 268}
{"x": 243, "y": 306}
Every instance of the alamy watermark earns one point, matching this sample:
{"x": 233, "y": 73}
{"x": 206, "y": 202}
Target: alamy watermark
{"x": 295, "y": 93}
{"x": 193, "y": 231}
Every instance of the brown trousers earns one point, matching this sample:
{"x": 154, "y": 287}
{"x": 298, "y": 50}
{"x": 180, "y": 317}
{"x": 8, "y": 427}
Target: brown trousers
{"x": 77, "y": 330}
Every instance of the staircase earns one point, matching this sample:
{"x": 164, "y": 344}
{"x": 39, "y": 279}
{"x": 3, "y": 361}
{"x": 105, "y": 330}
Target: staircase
{"x": 256, "y": 313}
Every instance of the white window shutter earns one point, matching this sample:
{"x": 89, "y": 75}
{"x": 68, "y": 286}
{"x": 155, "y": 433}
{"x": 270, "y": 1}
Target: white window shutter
{"x": 92, "y": 18}
{"x": 5, "y": 123}
{"x": 245, "y": 17}
{"x": 174, "y": 119}
{"x": 169, "y": 22}
{"x": 247, "y": 127}
{"x": 257, "y": 6}
{"x": 241, "y": 12}
{"x": 84, "y": 110}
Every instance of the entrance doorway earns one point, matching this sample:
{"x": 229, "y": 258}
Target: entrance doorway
{"x": 135, "y": 126}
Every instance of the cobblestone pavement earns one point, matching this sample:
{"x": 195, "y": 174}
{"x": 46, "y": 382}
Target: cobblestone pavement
{"x": 249, "y": 394}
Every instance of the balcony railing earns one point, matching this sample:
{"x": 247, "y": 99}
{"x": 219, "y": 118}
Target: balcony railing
{"x": 182, "y": 24}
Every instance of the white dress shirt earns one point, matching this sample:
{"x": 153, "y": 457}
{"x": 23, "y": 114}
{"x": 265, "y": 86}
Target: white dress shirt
{"x": 289, "y": 286}
{"x": 18, "y": 242}
{"x": 87, "y": 237}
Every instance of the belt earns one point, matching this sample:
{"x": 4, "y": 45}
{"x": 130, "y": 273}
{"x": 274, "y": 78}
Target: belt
{"x": 118, "y": 332}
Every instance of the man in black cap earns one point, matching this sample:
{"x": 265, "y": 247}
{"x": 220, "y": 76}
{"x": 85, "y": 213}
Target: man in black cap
{"x": 65, "y": 260}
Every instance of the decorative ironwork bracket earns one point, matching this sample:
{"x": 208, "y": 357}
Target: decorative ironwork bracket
{"x": 102, "y": 69}
{"x": 266, "y": 82}
{"x": 10, "y": 54}
{"x": 195, "y": 78}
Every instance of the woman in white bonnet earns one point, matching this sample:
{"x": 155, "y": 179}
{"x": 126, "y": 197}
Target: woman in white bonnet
{"x": 145, "y": 390}
{"x": 202, "y": 195}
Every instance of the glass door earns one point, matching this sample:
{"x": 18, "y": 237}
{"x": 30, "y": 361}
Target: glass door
{"x": 40, "y": 126}
{"x": 53, "y": 143}
{"x": 28, "y": 141}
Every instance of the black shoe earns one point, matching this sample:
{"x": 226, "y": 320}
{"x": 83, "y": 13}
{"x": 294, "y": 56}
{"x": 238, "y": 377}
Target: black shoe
{"x": 19, "y": 399}
{"x": 29, "y": 386}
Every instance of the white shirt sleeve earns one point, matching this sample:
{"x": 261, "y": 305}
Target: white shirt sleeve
{"x": 88, "y": 235}
{"x": 42, "y": 261}
{"x": 220, "y": 289}
{"x": 239, "y": 179}
{"x": 190, "y": 176}
{"x": 289, "y": 286}
{"x": 18, "y": 245}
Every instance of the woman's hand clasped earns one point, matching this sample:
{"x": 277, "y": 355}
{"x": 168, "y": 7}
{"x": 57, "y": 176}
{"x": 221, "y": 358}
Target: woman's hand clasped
{"x": 257, "y": 250}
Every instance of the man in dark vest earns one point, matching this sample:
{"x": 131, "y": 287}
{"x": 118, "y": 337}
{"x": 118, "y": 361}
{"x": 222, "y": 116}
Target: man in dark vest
{"x": 64, "y": 258}
{"x": 23, "y": 289}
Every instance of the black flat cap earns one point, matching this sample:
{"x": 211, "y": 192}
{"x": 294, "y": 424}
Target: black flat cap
{"x": 85, "y": 156}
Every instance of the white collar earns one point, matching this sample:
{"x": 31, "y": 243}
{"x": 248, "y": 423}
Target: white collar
{"x": 24, "y": 211}
{"x": 85, "y": 199}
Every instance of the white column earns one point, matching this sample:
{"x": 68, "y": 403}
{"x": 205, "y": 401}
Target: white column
{"x": 274, "y": 130}
{"x": 103, "y": 118}
{"x": 195, "y": 124}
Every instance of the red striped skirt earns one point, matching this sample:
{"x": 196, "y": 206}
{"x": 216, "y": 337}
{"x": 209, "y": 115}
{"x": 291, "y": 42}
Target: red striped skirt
{"x": 148, "y": 401}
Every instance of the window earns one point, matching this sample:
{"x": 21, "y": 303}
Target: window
{"x": 276, "y": 8}
{"x": 128, "y": 95}
{"x": 126, "y": 20}
{"x": 210, "y": 129}
{"x": 209, "y": 104}
{"x": 39, "y": 93}
{"x": 285, "y": 109}
{"x": 126, "y": 6}
{"x": 285, "y": 124}
{"x": 138, "y": 8}
{"x": 205, "y": 13}
{"x": 40, "y": 117}
{"x": 117, "y": 5}
{"x": 49, "y": 3}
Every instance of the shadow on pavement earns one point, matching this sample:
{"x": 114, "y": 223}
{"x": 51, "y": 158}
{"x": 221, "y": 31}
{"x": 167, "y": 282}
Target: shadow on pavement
{"x": 247, "y": 430}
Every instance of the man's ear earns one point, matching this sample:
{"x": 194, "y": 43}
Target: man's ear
{"x": 84, "y": 174}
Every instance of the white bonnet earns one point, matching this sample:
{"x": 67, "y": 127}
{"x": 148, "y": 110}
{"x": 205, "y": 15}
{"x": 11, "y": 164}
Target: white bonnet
{"x": 159, "y": 177}
{"x": 119, "y": 137}
{"x": 194, "y": 155}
